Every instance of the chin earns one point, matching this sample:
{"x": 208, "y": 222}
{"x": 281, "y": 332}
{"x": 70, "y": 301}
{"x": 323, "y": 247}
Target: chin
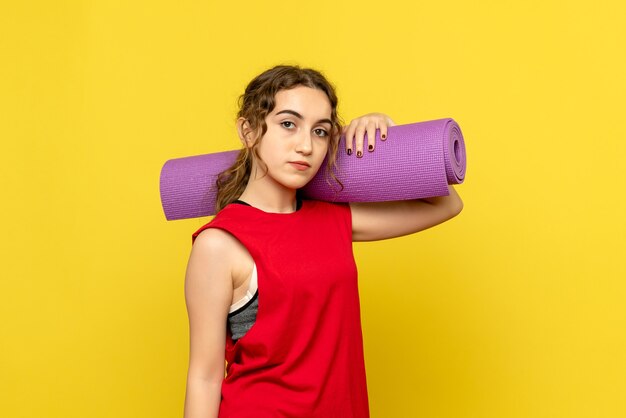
{"x": 294, "y": 184}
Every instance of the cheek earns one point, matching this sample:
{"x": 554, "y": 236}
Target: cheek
{"x": 322, "y": 152}
{"x": 324, "y": 148}
{"x": 271, "y": 147}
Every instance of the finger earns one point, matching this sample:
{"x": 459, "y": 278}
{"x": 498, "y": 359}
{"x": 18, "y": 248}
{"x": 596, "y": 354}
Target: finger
{"x": 371, "y": 136}
{"x": 349, "y": 137}
{"x": 383, "y": 128}
{"x": 342, "y": 133}
{"x": 358, "y": 136}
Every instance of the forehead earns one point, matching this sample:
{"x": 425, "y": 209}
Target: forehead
{"x": 309, "y": 102}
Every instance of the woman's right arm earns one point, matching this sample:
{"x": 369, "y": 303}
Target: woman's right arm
{"x": 208, "y": 295}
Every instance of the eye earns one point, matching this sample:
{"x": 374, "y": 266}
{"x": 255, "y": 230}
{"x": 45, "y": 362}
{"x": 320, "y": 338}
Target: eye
{"x": 287, "y": 124}
{"x": 320, "y": 132}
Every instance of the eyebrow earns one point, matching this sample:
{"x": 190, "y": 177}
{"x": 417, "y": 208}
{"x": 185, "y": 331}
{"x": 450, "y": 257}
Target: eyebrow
{"x": 299, "y": 116}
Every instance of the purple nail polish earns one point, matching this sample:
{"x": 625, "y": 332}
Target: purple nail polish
{"x": 371, "y": 147}
{"x": 359, "y": 154}
{"x": 349, "y": 151}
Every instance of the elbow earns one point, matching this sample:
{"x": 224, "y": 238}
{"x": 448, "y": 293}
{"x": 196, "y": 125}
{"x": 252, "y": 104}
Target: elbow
{"x": 459, "y": 207}
{"x": 456, "y": 208}
{"x": 455, "y": 203}
{"x": 214, "y": 380}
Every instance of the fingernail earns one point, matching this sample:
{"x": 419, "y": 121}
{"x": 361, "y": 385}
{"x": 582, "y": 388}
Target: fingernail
{"x": 371, "y": 148}
{"x": 383, "y": 136}
{"x": 349, "y": 151}
{"x": 359, "y": 154}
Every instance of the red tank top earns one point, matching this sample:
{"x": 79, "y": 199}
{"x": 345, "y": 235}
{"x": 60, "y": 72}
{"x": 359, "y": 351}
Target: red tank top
{"x": 303, "y": 357}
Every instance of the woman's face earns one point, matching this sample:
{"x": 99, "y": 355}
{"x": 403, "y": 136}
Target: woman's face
{"x": 298, "y": 130}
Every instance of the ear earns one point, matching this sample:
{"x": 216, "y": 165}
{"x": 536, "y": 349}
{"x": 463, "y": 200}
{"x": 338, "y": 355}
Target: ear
{"x": 246, "y": 135}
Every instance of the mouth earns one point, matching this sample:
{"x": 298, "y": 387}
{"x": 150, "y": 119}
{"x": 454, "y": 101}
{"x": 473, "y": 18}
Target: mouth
{"x": 300, "y": 165}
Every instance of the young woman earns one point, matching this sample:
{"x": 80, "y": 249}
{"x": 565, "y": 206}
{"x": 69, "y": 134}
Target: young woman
{"x": 271, "y": 283}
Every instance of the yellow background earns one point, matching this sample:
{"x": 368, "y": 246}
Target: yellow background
{"x": 516, "y": 308}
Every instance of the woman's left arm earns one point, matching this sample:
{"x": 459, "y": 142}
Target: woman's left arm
{"x": 372, "y": 221}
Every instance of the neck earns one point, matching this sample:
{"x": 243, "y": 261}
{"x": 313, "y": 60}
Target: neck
{"x": 269, "y": 196}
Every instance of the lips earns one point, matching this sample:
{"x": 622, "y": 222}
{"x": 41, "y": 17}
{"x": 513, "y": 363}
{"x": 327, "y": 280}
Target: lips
{"x": 300, "y": 165}
{"x": 301, "y": 162}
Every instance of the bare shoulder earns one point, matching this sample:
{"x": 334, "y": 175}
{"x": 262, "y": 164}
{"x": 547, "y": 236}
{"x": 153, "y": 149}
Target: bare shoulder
{"x": 217, "y": 245}
{"x": 214, "y": 242}
{"x": 210, "y": 261}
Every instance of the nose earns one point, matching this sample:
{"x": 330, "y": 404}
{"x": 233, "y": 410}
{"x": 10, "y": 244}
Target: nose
{"x": 305, "y": 143}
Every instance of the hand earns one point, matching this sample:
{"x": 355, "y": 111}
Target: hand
{"x": 368, "y": 123}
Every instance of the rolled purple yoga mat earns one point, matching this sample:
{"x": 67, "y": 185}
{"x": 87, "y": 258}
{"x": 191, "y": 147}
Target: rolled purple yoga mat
{"x": 416, "y": 161}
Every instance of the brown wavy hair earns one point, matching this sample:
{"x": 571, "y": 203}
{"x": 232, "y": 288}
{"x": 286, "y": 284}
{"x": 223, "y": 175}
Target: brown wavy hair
{"x": 255, "y": 104}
